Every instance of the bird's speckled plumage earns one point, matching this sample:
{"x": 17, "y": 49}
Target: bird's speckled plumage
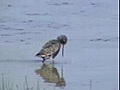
{"x": 52, "y": 47}
{"x": 49, "y": 49}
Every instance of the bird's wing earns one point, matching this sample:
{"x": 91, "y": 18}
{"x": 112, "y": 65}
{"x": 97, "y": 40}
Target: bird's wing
{"x": 50, "y": 47}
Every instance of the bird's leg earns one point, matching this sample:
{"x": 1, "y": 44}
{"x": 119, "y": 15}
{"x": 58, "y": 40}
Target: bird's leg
{"x": 53, "y": 61}
{"x": 43, "y": 60}
{"x": 51, "y": 58}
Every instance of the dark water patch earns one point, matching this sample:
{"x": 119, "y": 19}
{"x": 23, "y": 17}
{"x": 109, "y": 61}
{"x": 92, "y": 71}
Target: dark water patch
{"x": 8, "y": 41}
{"x": 105, "y": 40}
{"x": 7, "y": 28}
{"x": 100, "y": 39}
{"x": 20, "y": 29}
{"x": 44, "y": 30}
{"x": 6, "y": 35}
{"x": 47, "y": 24}
{"x": 22, "y": 40}
{"x": 115, "y": 39}
{"x": 56, "y": 25}
{"x": 24, "y": 33}
{"x": 28, "y": 38}
{"x": 9, "y": 5}
{"x": 32, "y": 14}
{"x": 56, "y": 4}
{"x": 13, "y": 26}
{"x": 93, "y": 4}
{"x": 27, "y": 43}
{"x": 96, "y": 39}
{"x": 78, "y": 13}
{"x": 66, "y": 25}
{"x": 82, "y": 11}
{"x": 27, "y": 21}
{"x": 37, "y": 14}
{"x": 65, "y": 3}
{"x": 59, "y": 4}
{"x": 2, "y": 26}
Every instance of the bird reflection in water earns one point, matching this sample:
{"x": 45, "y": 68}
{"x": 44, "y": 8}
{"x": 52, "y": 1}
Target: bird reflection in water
{"x": 50, "y": 74}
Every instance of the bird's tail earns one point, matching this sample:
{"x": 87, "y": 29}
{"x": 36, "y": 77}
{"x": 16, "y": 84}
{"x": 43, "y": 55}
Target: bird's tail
{"x": 38, "y": 54}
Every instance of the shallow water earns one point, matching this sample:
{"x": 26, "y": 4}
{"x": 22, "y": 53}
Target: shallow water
{"x": 91, "y": 54}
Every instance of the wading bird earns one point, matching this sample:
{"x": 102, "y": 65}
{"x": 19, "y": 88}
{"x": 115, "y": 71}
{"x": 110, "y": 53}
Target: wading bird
{"x": 52, "y": 47}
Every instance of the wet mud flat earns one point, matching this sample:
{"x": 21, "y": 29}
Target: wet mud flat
{"x": 91, "y": 54}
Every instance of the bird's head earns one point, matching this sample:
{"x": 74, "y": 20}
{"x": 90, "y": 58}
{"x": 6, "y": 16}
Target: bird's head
{"x": 63, "y": 40}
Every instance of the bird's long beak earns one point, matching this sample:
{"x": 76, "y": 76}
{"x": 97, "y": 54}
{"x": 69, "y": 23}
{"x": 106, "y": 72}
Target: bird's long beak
{"x": 62, "y": 50}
